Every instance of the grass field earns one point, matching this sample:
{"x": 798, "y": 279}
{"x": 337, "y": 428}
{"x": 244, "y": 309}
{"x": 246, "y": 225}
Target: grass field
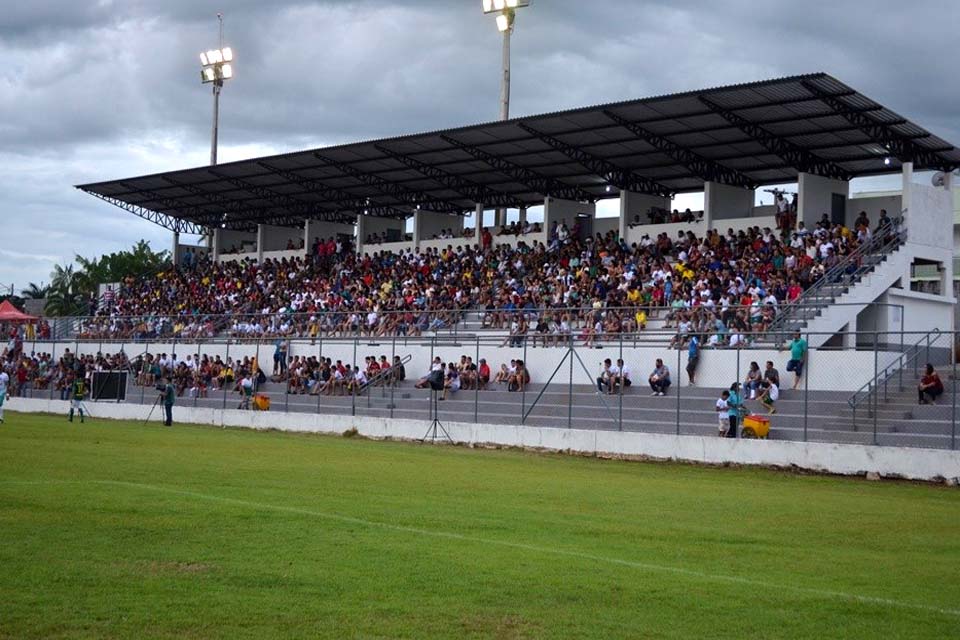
{"x": 115, "y": 530}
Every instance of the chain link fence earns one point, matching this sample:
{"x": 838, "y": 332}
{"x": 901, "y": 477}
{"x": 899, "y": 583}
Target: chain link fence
{"x": 869, "y": 388}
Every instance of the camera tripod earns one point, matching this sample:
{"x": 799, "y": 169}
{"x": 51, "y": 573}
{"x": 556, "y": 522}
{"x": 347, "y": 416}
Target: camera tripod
{"x": 436, "y": 428}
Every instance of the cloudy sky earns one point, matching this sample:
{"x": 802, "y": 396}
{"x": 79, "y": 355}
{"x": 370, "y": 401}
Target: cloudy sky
{"x": 93, "y": 90}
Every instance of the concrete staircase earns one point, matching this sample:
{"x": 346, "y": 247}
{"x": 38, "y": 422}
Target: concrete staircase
{"x": 847, "y": 289}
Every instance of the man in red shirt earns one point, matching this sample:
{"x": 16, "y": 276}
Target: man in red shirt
{"x": 483, "y": 374}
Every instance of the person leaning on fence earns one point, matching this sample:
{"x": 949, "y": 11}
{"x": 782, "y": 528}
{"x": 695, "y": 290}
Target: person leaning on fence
{"x": 660, "y": 379}
{"x": 798, "y": 356}
{"x": 931, "y": 386}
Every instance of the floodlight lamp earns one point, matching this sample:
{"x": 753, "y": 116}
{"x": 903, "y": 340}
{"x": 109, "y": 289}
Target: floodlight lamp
{"x": 499, "y": 5}
{"x": 214, "y": 56}
{"x": 226, "y": 71}
{"x": 209, "y": 74}
{"x": 512, "y": 4}
{"x": 487, "y": 6}
{"x": 609, "y": 188}
{"x": 203, "y": 59}
{"x": 227, "y": 54}
{"x": 886, "y": 161}
{"x": 503, "y": 23}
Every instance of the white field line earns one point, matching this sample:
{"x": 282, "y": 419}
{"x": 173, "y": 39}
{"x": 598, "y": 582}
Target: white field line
{"x": 711, "y": 577}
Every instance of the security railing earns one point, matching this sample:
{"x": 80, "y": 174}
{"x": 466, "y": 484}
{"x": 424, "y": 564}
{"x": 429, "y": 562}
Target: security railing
{"x": 827, "y": 403}
{"x": 840, "y": 277}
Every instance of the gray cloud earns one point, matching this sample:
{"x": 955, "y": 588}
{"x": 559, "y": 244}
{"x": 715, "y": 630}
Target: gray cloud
{"x": 100, "y": 89}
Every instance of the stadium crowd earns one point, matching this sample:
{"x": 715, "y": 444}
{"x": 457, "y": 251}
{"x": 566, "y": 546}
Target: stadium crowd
{"x": 723, "y": 286}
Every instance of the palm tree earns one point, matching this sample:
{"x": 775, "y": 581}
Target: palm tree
{"x": 34, "y": 292}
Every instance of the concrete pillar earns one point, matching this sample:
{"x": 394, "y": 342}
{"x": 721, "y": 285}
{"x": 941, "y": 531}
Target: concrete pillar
{"x": 722, "y": 201}
{"x": 637, "y": 204}
{"x": 307, "y": 240}
{"x": 417, "y": 229}
{"x": 478, "y": 215}
{"x": 501, "y": 218}
{"x": 361, "y": 233}
{"x": 523, "y": 215}
{"x": 217, "y": 242}
{"x": 907, "y": 188}
{"x": 176, "y": 248}
{"x": 261, "y": 235}
{"x": 816, "y": 197}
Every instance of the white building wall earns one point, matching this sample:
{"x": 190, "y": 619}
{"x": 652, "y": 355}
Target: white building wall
{"x": 638, "y": 204}
{"x": 723, "y": 202}
{"x": 557, "y": 211}
{"x": 816, "y": 197}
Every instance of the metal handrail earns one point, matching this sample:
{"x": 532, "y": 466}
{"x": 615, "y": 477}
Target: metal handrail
{"x": 904, "y": 361}
{"x": 840, "y": 273}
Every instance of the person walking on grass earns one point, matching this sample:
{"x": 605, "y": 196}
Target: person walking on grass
{"x": 798, "y": 357}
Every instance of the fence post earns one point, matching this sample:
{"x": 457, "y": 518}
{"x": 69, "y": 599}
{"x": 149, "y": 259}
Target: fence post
{"x": 620, "y": 391}
{"x": 320, "y": 356}
{"x": 806, "y": 392}
{"x": 679, "y": 384}
{"x": 876, "y": 391}
{"x": 523, "y": 390}
{"x": 476, "y": 385}
{"x": 225, "y": 383}
{"x": 353, "y": 387}
{"x": 391, "y": 382}
{"x": 903, "y": 354}
{"x": 953, "y": 410}
{"x": 570, "y": 386}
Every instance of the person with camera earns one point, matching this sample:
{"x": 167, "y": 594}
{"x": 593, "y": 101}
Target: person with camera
{"x": 168, "y": 396}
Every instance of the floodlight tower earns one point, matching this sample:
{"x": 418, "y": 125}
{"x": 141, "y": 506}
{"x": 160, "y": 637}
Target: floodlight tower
{"x": 506, "y": 12}
{"x": 217, "y": 67}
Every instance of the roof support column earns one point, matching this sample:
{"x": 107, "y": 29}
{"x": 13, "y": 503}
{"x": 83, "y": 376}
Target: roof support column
{"x": 361, "y": 233}
{"x": 261, "y": 238}
{"x": 523, "y": 216}
{"x": 216, "y": 241}
{"x": 725, "y": 202}
{"x": 175, "y": 254}
{"x": 478, "y": 229}
{"x": 907, "y": 189}
{"x": 816, "y": 198}
{"x": 634, "y": 210}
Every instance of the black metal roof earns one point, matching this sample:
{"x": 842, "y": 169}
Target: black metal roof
{"x": 747, "y": 135}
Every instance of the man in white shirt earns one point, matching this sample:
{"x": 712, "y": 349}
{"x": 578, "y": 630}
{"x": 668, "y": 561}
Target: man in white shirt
{"x": 621, "y": 377}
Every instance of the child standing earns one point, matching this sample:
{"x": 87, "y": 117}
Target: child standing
{"x": 722, "y": 413}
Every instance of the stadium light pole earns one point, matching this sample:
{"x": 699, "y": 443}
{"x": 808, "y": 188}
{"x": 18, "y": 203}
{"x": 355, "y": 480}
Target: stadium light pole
{"x": 217, "y": 67}
{"x": 506, "y": 12}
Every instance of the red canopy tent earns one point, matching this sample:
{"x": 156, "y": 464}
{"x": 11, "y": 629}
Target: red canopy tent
{"x": 9, "y": 313}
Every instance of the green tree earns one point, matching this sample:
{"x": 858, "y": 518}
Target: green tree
{"x": 34, "y": 292}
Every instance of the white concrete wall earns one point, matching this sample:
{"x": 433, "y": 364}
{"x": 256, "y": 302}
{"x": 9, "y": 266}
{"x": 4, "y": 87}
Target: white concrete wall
{"x": 873, "y": 205}
{"x": 430, "y": 223}
{"x": 724, "y": 202}
{"x": 816, "y": 197}
{"x": 698, "y": 228}
{"x": 916, "y": 464}
{"x": 556, "y": 210}
{"x": 327, "y": 230}
{"x": 382, "y": 225}
{"x": 230, "y": 238}
{"x": 638, "y": 204}
{"x": 603, "y": 225}
{"x": 830, "y": 370}
{"x": 276, "y": 238}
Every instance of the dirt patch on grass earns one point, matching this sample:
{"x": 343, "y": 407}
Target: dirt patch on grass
{"x": 166, "y": 567}
{"x": 500, "y": 626}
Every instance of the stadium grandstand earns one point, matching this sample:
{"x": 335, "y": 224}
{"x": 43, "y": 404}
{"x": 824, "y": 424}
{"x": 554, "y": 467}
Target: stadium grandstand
{"x": 307, "y": 263}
